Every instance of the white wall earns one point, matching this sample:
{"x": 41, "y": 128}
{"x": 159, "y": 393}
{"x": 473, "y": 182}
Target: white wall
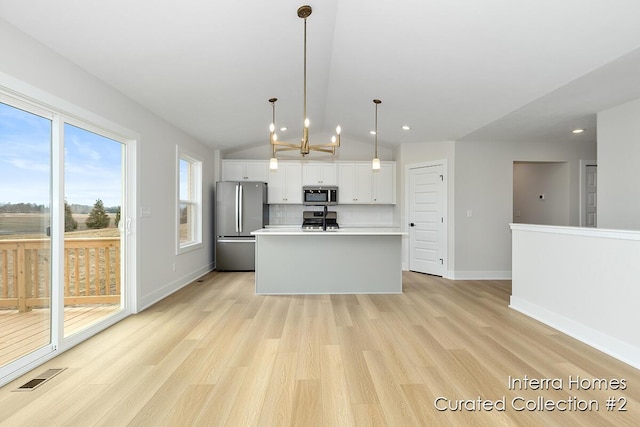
{"x": 484, "y": 184}
{"x": 31, "y": 69}
{"x": 549, "y": 180}
{"x": 581, "y": 281}
{"x": 619, "y": 167}
{"x": 481, "y": 180}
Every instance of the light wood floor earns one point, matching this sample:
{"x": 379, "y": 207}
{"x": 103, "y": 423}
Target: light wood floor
{"x": 216, "y": 354}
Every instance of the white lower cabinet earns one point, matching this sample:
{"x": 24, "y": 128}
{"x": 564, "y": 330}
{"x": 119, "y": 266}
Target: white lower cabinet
{"x": 285, "y": 184}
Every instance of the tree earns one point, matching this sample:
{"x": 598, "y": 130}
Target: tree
{"x": 70, "y": 224}
{"x": 117, "y": 220}
{"x": 98, "y": 218}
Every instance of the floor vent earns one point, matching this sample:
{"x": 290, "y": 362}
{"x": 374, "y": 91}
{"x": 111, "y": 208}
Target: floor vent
{"x": 40, "y": 379}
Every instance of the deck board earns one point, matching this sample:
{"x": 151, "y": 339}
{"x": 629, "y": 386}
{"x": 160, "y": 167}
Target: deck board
{"x": 21, "y": 333}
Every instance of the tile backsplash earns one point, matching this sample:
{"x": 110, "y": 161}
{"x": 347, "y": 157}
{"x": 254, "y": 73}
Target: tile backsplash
{"x": 348, "y": 215}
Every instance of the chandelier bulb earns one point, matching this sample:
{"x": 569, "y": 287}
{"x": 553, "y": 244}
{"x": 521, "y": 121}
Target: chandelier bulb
{"x": 333, "y": 139}
{"x": 273, "y": 163}
{"x": 338, "y": 129}
{"x": 272, "y": 127}
{"x": 306, "y": 122}
{"x": 275, "y": 136}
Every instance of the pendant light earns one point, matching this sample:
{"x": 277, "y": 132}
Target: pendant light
{"x": 375, "y": 164}
{"x": 273, "y": 162}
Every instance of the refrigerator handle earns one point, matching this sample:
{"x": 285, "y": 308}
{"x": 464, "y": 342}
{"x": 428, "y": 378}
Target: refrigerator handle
{"x": 241, "y": 216}
{"x": 237, "y": 205}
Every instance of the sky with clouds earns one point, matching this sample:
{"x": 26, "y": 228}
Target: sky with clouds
{"x": 92, "y": 162}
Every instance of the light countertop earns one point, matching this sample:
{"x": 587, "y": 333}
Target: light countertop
{"x": 349, "y": 231}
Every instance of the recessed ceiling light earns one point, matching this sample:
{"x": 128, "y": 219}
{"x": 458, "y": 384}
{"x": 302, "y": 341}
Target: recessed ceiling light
{"x": 406, "y": 127}
{"x": 283, "y": 128}
{"x": 577, "y": 131}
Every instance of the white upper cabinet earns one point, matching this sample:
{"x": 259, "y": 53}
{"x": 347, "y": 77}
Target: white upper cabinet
{"x": 359, "y": 184}
{"x": 355, "y": 183}
{"x": 245, "y": 170}
{"x": 318, "y": 173}
{"x": 384, "y": 184}
{"x": 285, "y": 184}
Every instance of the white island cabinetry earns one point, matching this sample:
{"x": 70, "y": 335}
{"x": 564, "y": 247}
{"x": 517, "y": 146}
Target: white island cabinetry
{"x": 346, "y": 261}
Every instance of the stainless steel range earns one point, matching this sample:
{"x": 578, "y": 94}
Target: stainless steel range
{"x": 316, "y": 220}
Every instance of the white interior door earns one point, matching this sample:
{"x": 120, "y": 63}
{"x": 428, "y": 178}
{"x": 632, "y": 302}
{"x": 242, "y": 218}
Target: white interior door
{"x": 591, "y": 198}
{"x": 426, "y": 219}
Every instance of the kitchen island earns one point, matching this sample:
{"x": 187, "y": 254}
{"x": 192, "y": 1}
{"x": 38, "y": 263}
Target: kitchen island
{"x": 342, "y": 261}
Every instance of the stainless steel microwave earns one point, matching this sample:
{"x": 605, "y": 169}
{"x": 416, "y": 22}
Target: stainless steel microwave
{"x": 313, "y": 195}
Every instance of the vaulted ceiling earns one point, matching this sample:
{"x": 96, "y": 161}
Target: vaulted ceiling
{"x": 528, "y": 70}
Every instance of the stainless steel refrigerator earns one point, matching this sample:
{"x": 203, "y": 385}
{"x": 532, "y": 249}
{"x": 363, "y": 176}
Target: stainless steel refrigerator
{"x": 241, "y": 207}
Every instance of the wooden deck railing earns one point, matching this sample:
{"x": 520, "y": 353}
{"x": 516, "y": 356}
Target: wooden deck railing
{"x": 91, "y": 272}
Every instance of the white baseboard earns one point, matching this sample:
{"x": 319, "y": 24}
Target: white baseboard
{"x": 472, "y": 275}
{"x": 147, "y": 301}
{"x": 614, "y": 347}
{"x": 479, "y": 275}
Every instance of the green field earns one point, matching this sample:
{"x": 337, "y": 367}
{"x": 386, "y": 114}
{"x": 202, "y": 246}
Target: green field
{"x": 14, "y": 225}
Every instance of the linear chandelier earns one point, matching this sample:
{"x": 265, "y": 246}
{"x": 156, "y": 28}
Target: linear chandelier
{"x": 304, "y": 146}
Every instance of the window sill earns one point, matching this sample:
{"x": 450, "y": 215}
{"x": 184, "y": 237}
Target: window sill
{"x": 189, "y": 248}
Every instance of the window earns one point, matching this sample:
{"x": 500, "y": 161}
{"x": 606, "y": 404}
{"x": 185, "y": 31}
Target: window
{"x": 189, "y": 222}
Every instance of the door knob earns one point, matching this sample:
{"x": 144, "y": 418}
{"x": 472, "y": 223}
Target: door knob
{"x": 412, "y": 224}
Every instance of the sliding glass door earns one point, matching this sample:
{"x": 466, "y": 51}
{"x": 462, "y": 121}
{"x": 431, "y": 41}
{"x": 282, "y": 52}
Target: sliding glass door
{"x": 25, "y": 225}
{"x": 92, "y": 239}
{"x": 63, "y": 232}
